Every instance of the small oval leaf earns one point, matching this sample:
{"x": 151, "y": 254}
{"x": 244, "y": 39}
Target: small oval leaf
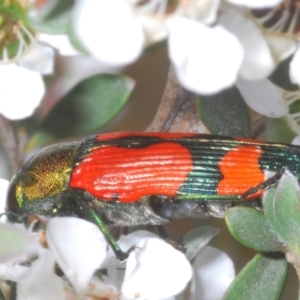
{"x": 54, "y": 18}
{"x": 87, "y": 107}
{"x": 282, "y": 211}
{"x": 225, "y": 113}
{"x": 197, "y": 239}
{"x": 250, "y": 228}
{"x": 279, "y": 130}
{"x": 261, "y": 279}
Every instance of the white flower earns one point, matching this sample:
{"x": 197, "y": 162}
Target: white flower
{"x": 145, "y": 273}
{"x": 148, "y": 267}
{"x": 22, "y": 87}
{"x": 61, "y": 42}
{"x": 211, "y": 266}
{"x": 109, "y": 30}
{"x": 210, "y": 43}
{"x": 78, "y": 247}
{"x": 206, "y": 59}
{"x": 40, "y": 281}
{"x": 256, "y": 3}
{"x": 296, "y": 140}
{"x": 263, "y": 97}
{"x": 294, "y": 68}
{"x": 258, "y": 62}
{"x": 21, "y": 91}
{"x": 16, "y": 244}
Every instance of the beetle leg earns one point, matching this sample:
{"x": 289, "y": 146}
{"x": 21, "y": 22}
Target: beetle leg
{"x": 110, "y": 239}
{"x": 264, "y": 185}
{"x": 88, "y": 212}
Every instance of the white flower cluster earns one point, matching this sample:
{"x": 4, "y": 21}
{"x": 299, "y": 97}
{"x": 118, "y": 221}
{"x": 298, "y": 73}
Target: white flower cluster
{"x": 153, "y": 270}
{"x": 211, "y": 42}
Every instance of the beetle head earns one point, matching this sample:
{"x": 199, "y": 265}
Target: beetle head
{"x": 42, "y": 184}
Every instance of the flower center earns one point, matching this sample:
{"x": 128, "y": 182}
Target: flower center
{"x": 283, "y": 18}
{"x": 15, "y": 36}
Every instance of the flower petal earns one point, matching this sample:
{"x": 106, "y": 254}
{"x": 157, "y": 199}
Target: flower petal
{"x": 40, "y": 281}
{"x": 258, "y": 62}
{"x": 109, "y": 30}
{"x": 60, "y": 42}
{"x": 206, "y": 59}
{"x": 213, "y": 273}
{"x": 256, "y": 3}
{"x": 21, "y": 91}
{"x": 78, "y": 247}
{"x": 12, "y": 271}
{"x": 39, "y": 58}
{"x": 296, "y": 140}
{"x": 282, "y": 46}
{"x": 115, "y": 268}
{"x": 16, "y": 243}
{"x": 154, "y": 28}
{"x": 295, "y": 67}
{"x": 263, "y": 97}
{"x": 155, "y": 262}
{"x": 134, "y": 238}
{"x": 202, "y": 10}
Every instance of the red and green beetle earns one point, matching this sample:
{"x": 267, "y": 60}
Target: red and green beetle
{"x": 131, "y": 178}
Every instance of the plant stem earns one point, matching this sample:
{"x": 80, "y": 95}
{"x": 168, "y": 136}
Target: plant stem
{"x": 177, "y": 111}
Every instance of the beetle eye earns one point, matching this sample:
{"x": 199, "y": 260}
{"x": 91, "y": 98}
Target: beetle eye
{"x": 12, "y": 205}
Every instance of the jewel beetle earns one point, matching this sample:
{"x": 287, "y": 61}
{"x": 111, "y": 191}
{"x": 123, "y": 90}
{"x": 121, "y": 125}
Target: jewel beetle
{"x": 131, "y": 178}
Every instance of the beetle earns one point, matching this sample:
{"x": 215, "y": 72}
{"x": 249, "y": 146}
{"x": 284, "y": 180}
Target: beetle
{"x": 131, "y": 178}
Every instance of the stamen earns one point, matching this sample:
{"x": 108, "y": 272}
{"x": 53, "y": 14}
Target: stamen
{"x": 29, "y": 34}
{"x": 266, "y": 18}
{"x": 295, "y": 115}
{"x": 284, "y": 18}
{"x": 293, "y": 23}
{"x": 278, "y": 26}
{"x": 5, "y": 58}
{"x": 22, "y": 45}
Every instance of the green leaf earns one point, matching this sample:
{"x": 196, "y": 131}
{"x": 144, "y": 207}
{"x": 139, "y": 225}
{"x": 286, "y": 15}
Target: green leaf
{"x": 15, "y": 243}
{"x": 13, "y": 290}
{"x": 282, "y": 211}
{"x": 278, "y": 130}
{"x": 281, "y": 76}
{"x": 250, "y": 228}
{"x": 87, "y": 107}
{"x": 261, "y": 279}
{"x": 225, "y": 113}
{"x": 197, "y": 239}
{"x": 54, "y": 19}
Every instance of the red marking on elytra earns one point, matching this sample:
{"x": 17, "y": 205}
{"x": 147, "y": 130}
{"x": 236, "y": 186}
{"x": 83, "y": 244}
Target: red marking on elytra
{"x": 241, "y": 171}
{"x": 163, "y": 135}
{"x": 127, "y": 174}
